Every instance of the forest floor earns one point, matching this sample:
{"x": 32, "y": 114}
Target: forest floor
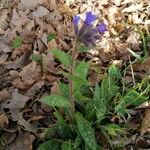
{"x": 29, "y": 28}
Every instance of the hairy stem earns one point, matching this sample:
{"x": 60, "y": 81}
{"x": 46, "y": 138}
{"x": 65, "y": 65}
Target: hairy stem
{"x": 71, "y": 82}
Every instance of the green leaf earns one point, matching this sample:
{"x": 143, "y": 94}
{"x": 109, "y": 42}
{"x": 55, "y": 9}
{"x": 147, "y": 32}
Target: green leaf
{"x": 51, "y": 37}
{"x": 114, "y": 72}
{"x": 63, "y": 129}
{"x": 133, "y": 98}
{"x": 17, "y": 42}
{"x": 81, "y": 70}
{"x": 67, "y": 146}
{"x": 113, "y": 129}
{"x": 83, "y": 48}
{"x": 56, "y": 100}
{"x": 64, "y": 89}
{"x": 50, "y": 145}
{"x": 77, "y": 142}
{"x": 63, "y": 57}
{"x": 50, "y": 132}
{"x": 86, "y": 131}
{"x": 100, "y": 104}
{"x": 36, "y": 57}
{"x": 78, "y": 82}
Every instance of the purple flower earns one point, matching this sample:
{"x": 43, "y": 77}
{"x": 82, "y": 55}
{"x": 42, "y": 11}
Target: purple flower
{"x": 76, "y": 20}
{"x": 102, "y": 28}
{"x": 89, "y": 18}
{"x": 88, "y": 34}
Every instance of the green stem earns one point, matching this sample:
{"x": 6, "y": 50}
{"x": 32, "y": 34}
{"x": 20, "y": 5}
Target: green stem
{"x": 71, "y": 82}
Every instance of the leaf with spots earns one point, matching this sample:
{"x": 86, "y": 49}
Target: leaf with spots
{"x": 82, "y": 68}
{"x": 56, "y": 101}
{"x": 63, "y": 57}
{"x": 86, "y": 131}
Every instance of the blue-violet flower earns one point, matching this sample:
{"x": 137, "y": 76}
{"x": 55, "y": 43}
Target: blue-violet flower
{"x": 88, "y": 34}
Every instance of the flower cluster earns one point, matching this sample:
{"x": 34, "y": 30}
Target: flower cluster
{"x": 88, "y": 34}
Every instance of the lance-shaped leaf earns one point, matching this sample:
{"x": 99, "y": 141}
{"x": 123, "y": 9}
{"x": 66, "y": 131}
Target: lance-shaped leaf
{"x": 86, "y": 131}
{"x": 56, "y": 101}
{"x": 63, "y": 57}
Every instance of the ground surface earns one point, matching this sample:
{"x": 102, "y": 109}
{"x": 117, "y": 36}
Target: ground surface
{"x": 24, "y": 27}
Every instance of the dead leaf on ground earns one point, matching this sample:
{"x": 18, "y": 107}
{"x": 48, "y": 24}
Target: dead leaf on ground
{"x": 4, "y": 95}
{"x": 145, "y": 126}
{"x": 31, "y": 73}
{"x": 36, "y": 118}
{"x": 15, "y": 104}
{"x": 31, "y": 4}
{"x": 23, "y": 142}
{"x": 3, "y": 121}
{"x": 40, "y": 12}
{"x": 35, "y": 89}
{"x": 19, "y": 62}
{"x": 4, "y": 46}
{"x": 25, "y": 48}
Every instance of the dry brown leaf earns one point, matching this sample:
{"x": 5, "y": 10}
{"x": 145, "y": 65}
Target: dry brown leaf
{"x": 23, "y": 142}
{"x": 31, "y": 73}
{"x": 19, "y": 19}
{"x": 48, "y": 63}
{"x": 4, "y": 46}
{"x": 22, "y": 50}
{"x": 18, "y": 83}
{"x": 19, "y": 62}
{"x": 133, "y": 8}
{"x": 145, "y": 126}
{"x": 55, "y": 88}
{"x": 3, "y": 58}
{"x": 17, "y": 102}
{"x": 51, "y": 4}
{"x": 4, "y": 19}
{"x": 3, "y": 121}
{"x": 40, "y": 12}
{"x": 35, "y": 89}
{"x": 36, "y": 118}
{"x": 31, "y": 4}
{"x": 4, "y": 95}
{"x": 64, "y": 9}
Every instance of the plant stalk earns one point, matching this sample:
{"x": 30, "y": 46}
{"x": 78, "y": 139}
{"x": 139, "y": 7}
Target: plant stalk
{"x": 71, "y": 82}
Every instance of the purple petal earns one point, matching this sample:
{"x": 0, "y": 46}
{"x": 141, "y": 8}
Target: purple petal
{"x": 89, "y": 18}
{"x": 102, "y": 28}
{"x": 76, "y": 20}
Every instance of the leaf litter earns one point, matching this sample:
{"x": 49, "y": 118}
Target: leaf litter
{"x": 24, "y": 81}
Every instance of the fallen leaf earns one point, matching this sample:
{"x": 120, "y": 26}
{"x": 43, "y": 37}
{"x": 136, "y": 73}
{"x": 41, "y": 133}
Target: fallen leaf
{"x": 31, "y": 73}
{"x": 23, "y": 142}
{"x": 51, "y": 4}
{"x": 3, "y": 121}
{"x": 64, "y": 9}
{"x": 25, "y": 48}
{"x": 40, "y": 12}
{"x": 31, "y": 4}
{"x": 4, "y": 46}
{"x": 35, "y": 89}
{"x": 4, "y": 19}
{"x": 133, "y": 8}
{"x": 17, "y": 102}
{"x": 36, "y": 118}
{"x": 19, "y": 62}
{"x": 145, "y": 126}
{"x": 4, "y": 95}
